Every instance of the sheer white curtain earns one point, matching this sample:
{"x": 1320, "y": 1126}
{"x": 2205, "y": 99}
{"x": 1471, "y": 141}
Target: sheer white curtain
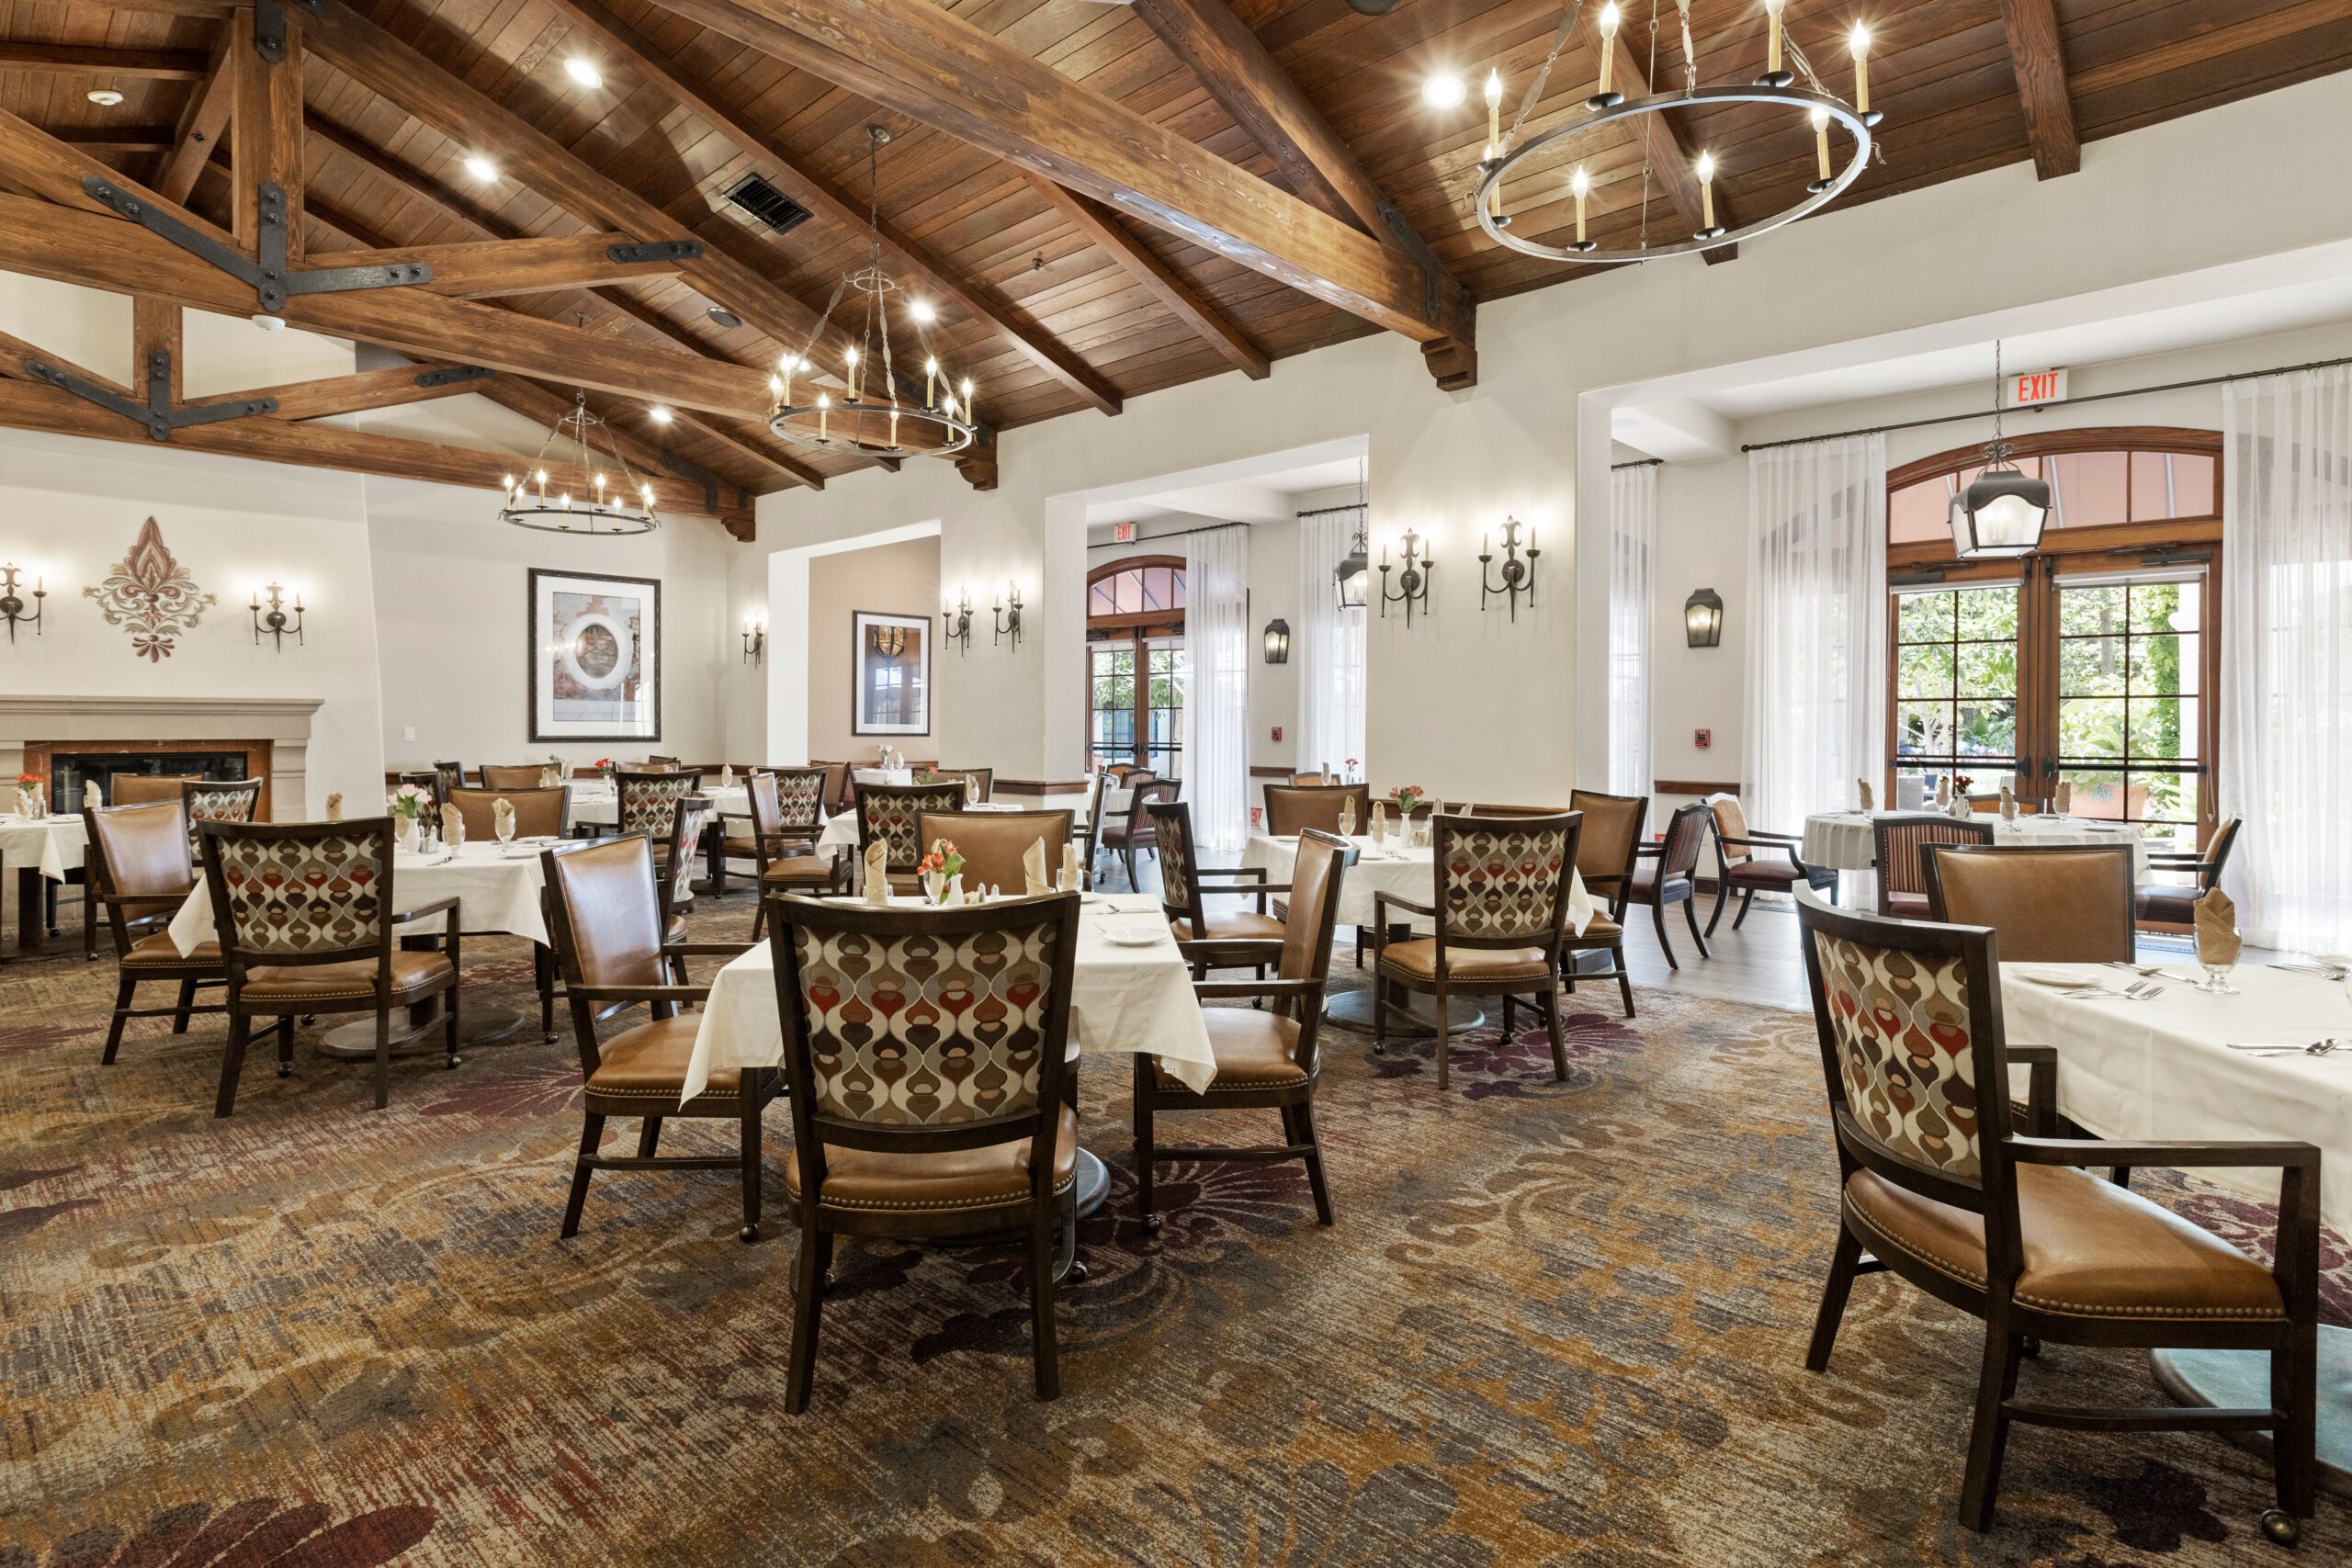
{"x": 2285, "y": 762}
{"x": 1816, "y": 626}
{"x": 1216, "y": 697}
{"x": 1329, "y": 645}
{"x": 1632, "y": 537}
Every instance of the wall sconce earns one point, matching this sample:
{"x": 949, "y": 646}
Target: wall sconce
{"x": 955, "y": 621}
{"x": 1278, "y": 641}
{"x": 12, "y": 602}
{"x": 1413, "y": 582}
{"x": 1007, "y": 616}
{"x": 1519, "y": 575}
{"x": 756, "y": 639}
{"x": 1703, "y": 618}
{"x": 274, "y": 622}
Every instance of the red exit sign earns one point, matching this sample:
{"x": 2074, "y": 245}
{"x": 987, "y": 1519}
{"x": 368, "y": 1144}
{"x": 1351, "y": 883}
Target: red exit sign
{"x": 1122, "y": 533}
{"x": 2037, "y": 387}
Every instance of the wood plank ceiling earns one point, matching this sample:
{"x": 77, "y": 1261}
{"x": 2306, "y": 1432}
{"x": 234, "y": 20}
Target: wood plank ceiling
{"x": 1054, "y": 306}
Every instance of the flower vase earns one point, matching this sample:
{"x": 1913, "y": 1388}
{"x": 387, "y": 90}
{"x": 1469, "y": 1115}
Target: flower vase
{"x": 411, "y": 830}
{"x": 934, "y": 886}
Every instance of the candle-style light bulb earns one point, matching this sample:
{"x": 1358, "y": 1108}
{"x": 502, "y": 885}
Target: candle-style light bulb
{"x": 1494, "y": 107}
{"x": 781, "y": 384}
{"x": 824, "y": 413}
{"x": 1860, "y": 43}
{"x": 1821, "y": 140}
{"x": 1707, "y": 189}
{"x": 1608, "y": 27}
{"x": 966, "y": 390}
{"x": 1581, "y": 184}
{"x": 931, "y": 382}
{"x": 850, "y": 355}
{"x": 1772, "y": 9}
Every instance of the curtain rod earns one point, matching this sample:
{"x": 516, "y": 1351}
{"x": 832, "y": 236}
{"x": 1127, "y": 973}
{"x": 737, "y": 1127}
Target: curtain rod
{"x": 2039, "y": 408}
{"x": 1327, "y": 511}
{"x": 1637, "y": 463}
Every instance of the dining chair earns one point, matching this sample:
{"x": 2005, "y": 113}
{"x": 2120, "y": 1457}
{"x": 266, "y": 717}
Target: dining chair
{"x": 424, "y": 779}
{"x": 452, "y": 776}
{"x": 1671, "y": 875}
{"x": 303, "y": 915}
{"x": 837, "y": 785}
{"x": 1939, "y": 1189}
{"x": 891, "y": 815}
{"x": 1083, "y": 833}
{"x": 1267, "y": 1058}
{"x": 1136, "y": 830}
{"x": 519, "y": 775}
{"x": 2054, "y": 904}
{"x": 1610, "y": 848}
{"x": 1119, "y": 772}
{"x": 1317, "y": 777}
{"x": 142, "y": 789}
{"x": 1486, "y": 809}
{"x": 219, "y": 800}
{"x": 645, "y": 799}
{"x": 673, "y": 860}
{"x": 607, "y": 906}
{"x": 538, "y": 813}
{"x": 1292, "y": 809}
{"x": 1899, "y": 846}
{"x": 965, "y": 1126}
{"x": 139, "y": 874}
{"x": 993, "y": 842}
{"x": 1236, "y": 938}
{"x": 1749, "y": 861}
{"x": 983, "y": 780}
{"x": 2165, "y": 903}
{"x": 787, "y": 816}
{"x": 662, "y": 765}
{"x": 1498, "y": 915}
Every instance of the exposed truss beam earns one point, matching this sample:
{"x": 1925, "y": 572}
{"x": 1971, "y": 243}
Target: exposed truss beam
{"x": 491, "y": 268}
{"x": 202, "y": 122}
{"x": 921, "y": 61}
{"x": 368, "y": 390}
{"x": 2033, "y": 28}
{"x": 83, "y": 60}
{"x": 266, "y": 130}
{"x": 155, "y": 326}
{"x": 1100, "y": 227}
{"x": 116, "y": 138}
{"x": 831, "y": 204}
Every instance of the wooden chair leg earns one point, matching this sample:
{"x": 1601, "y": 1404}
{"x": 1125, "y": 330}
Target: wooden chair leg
{"x": 1144, "y": 1211}
{"x": 592, "y": 1134}
{"x": 2294, "y": 1378}
{"x": 807, "y": 1287}
{"x": 383, "y": 1057}
{"x": 750, "y": 1087}
{"x": 1747, "y": 902}
{"x": 1833, "y": 1290}
{"x": 543, "y": 977}
{"x": 1442, "y": 1040}
{"x": 1990, "y": 1435}
{"x": 1379, "y": 1013}
{"x": 180, "y": 1009}
{"x": 232, "y": 1061}
{"x": 1723, "y": 896}
{"x": 648, "y": 1135}
{"x": 1657, "y": 920}
{"x": 1550, "y": 1002}
{"x": 1507, "y": 1020}
{"x": 1042, "y": 1227}
{"x": 1303, "y": 1116}
{"x": 124, "y": 989}
{"x": 1624, "y": 980}
{"x": 286, "y": 1046}
{"x": 1691, "y": 914}
{"x": 89, "y": 920}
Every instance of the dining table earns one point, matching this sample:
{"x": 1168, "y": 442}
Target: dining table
{"x": 1131, "y": 994}
{"x": 39, "y": 850}
{"x": 2184, "y": 1063}
{"x": 599, "y": 806}
{"x": 1846, "y": 842}
{"x": 1401, "y": 868}
{"x": 498, "y": 891}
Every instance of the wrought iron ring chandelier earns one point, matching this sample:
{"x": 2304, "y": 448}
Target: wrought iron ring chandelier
{"x": 571, "y": 488}
{"x": 884, "y": 423}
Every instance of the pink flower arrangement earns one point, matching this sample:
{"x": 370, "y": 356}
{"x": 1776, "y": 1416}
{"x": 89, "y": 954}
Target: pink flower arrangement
{"x": 409, "y": 801}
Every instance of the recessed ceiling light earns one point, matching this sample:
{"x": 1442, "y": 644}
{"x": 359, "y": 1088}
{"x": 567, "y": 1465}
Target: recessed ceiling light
{"x": 583, "y": 71}
{"x": 1442, "y": 91}
{"x": 723, "y": 317}
{"x": 922, "y": 311}
{"x": 105, "y": 98}
{"x": 481, "y": 168}
{"x": 658, "y": 414}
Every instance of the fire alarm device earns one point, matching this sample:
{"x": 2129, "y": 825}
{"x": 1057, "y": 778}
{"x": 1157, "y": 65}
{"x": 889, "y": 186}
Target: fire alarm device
{"x": 1278, "y": 732}
{"x": 1702, "y": 739}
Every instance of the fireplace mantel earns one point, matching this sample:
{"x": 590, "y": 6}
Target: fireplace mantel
{"x": 284, "y": 722}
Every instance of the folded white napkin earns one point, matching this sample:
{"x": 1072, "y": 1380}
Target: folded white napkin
{"x": 1348, "y": 818}
{"x": 1379, "y": 821}
{"x": 334, "y": 806}
{"x": 877, "y": 873}
{"x": 92, "y": 796}
{"x": 1943, "y": 790}
{"x": 546, "y": 778}
{"x": 1073, "y": 870}
{"x": 1033, "y": 869}
{"x": 453, "y": 827}
{"x": 502, "y": 814}
{"x": 2061, "y": 801}
{"x": 727, "y": 775}
{"x": 2008, "y": 805}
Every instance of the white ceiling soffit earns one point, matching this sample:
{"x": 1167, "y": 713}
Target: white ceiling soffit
{"x": 1255, "y": 490}
{"x": 1674, "y": 430}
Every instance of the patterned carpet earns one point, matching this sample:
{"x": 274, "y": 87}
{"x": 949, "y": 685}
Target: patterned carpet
{"x": 1556, "y": 1324}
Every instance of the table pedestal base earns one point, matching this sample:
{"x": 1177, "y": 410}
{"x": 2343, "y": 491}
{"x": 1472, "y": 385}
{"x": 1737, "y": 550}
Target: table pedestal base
{"x": 1411, "y": 1016}
{"x": 419, "y": 1033}
{"x": 2240, "y": 1379}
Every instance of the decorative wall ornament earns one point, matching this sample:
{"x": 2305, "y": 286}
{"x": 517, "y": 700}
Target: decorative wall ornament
{"x": 596, "y": 656}
{"x": 150, "y": 592}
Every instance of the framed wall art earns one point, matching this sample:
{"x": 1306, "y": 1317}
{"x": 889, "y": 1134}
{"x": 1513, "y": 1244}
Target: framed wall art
{"x": 891, "y": 674}
{"x": 596, "y": 656}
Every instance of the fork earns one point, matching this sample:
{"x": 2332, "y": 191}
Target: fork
{"x": 2316, "y": 1048}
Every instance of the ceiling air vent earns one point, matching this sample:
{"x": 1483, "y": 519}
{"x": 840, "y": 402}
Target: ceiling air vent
{"x": 767, "y": 206}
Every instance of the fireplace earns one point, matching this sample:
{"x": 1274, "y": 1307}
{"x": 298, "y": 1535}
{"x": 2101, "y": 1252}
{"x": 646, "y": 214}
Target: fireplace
{"x": 69, "y": 741}
{"x": 71, "y": 772}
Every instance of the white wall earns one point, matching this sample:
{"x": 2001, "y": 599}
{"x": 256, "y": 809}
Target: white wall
{"x": 1468, "y": 704}
{"x": 900, "y": 579}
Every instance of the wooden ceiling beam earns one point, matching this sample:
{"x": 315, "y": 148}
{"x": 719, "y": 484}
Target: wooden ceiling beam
{"x": 831, "y": 204}
{"x": 85, "y": 60}
{"x": 1100, "y": 227}
{"x": 155, "y": 326}
{"x": 1675, "y": 165}
{"x": 116, "y": 138}
{"x": 486, "y": 268}
{"x": 916, "y": 59}
{"x": 266, "y": 130}
{"x": 203, "y": 122}
{"x": 358, "y": 392}
{"x": 2032, "y": 28}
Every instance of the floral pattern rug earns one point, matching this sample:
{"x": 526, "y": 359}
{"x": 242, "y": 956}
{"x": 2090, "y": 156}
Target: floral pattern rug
{"x": 1556, "y": 1324}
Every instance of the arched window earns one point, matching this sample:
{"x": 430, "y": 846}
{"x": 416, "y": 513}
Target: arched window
{"x": 1135, "y": 668}
{"x": 2094, "y": 661}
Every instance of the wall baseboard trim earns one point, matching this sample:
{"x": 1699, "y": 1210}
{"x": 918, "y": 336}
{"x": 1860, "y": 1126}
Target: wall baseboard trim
{"x": 1691, "y": 786}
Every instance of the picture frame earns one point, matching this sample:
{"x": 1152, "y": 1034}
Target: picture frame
{"x": 594, "y": 656}
{"x": 889, "y": 674}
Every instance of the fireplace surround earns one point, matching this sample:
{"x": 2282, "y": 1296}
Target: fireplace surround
{"x": 269, "y": 737}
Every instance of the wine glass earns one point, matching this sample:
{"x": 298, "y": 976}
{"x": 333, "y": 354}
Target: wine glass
{"x": 504, "y": 826}
{"x": 2217, "y": 958}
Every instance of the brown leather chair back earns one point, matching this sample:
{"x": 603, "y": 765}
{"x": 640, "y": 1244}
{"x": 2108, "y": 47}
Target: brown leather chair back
{"x": 1315, "y": 876}
{"x": 892, "y": 814}
{"x": 538, "y": 813}
{"x": 1503, "y": 880}
{"x": 1294, "y": 808}
{"x": 144, "y": 789}
{"x": 1686, "y": 835}
{"x": 1901, "y": 842}
{"x": 300, "y": 893}
{"x": 649, "y": 799}
{"x": 2217, "y": 855}
{"x": 2063, "y": 904}
{"x": 837, "y": 784}
{"x": 608, "y": 910}
{"x": 1611, "y": 839}
{"x": 1731, "y": 829}
{"x": 1314, "y": 778}
{"x": 520, "y": 776}
{"x": 992, "y": 843}
{"x": 660, "y": 765}
{"x": 983, "y": 780}
{"x": 139, "y": 852}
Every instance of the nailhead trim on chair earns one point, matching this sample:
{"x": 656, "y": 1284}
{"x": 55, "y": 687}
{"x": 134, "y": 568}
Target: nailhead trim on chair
{"x": 1010, "y": 1200}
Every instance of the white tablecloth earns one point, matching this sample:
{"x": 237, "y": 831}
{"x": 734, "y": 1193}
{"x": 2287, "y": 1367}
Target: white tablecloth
{"x": 599, "y": 806}
{"x": 1843, "y": 841}
{"x": 1403, "y": 871}
{"x": 2164, "y": 1069}
{"x": 496, "y": 892}
{"x": 883, "y": 775}
{"x": 1127, "y": 999}
{"x": 54, "y": 844}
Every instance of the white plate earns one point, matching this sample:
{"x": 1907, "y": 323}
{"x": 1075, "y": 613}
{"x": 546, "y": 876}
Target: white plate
{"x": 1135, "y": 936}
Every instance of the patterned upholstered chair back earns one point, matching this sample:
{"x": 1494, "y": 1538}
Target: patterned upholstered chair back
{"x": 217, "y": 800}
{"x": 1901, "y": 867}
{"x": 892, "y": 815}
{"x": 649, "y": 798}
{"x": 1910, "y": 1026}
{"x": 312, "y": 892}
{"x": 687, "y": 824}
{"x": 1146, "y": 791}
{"x": 1731, "y": 827}
{"x": 1294, "y": 808}
{"x": 1171, "y": 825}
{"x": 452, "y": 775}
{"x": 926, "y": 1028}
{"x": 992, "y": 843}
{"x": 1503, "y": 880}
{"x": 424, "y": 779}
{"x": 800, "y": 797}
